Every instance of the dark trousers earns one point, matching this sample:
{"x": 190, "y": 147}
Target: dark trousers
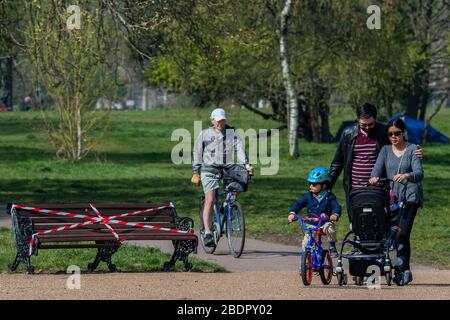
{"x": 349, "y": 208}
{"x": 406, "y": 221}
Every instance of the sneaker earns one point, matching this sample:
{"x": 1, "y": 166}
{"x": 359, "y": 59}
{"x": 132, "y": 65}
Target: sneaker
{"x": 407, "y": 277}
{"x": 332, "y": 248}
{"x": 333, "y": 252}
{"x": 402, "y": 278}
{"x": 208, "y": 240}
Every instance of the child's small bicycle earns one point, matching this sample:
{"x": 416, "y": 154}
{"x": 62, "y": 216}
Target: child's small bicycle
{"x": 313, "y": 258}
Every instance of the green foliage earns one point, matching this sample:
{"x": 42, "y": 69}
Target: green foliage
{"x": 216, "y": 52}
{"x": 10, "y": 21}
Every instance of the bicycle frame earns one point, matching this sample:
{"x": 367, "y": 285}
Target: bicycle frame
{"x": 314, "y": 246}
{"x": 230, "y": 198}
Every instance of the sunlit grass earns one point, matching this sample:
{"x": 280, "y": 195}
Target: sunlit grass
{"x": 133, "y": 164}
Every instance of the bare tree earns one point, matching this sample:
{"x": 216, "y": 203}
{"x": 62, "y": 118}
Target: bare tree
{"x": 75, "y": 69}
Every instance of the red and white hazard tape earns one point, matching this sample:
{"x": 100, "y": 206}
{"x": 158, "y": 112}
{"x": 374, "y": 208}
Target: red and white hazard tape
{"x": 99, "y": 219}
{"x": 107, "y": 225}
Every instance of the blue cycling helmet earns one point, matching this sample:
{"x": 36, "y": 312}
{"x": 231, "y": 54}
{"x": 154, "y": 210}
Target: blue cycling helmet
{"x": 319, "y": 175}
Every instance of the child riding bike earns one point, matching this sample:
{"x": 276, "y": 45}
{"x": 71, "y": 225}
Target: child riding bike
{"x": 213, "y": 153}
{"x": 318, "y": 200}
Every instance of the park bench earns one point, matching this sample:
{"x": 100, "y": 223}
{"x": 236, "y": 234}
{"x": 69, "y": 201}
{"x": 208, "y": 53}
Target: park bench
{"x": 60, "y": 226}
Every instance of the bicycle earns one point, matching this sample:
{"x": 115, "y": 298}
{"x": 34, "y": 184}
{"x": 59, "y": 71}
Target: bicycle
{"x": 228, "y": 217}
{"x": 313, "y": 257}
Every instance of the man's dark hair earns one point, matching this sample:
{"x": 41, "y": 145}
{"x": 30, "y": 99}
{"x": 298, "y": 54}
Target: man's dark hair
{"x": 366, "y": 110}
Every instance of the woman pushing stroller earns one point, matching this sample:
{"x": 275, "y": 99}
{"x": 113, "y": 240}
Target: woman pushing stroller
{"x": 399, "y": 163}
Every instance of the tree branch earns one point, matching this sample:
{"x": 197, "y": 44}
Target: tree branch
{"x": 266, "y": 116}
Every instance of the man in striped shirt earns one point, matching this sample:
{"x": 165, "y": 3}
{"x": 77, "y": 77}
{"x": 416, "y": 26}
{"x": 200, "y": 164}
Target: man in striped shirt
{"x": 358, "y": 151}
{"x": 364, "y": 158}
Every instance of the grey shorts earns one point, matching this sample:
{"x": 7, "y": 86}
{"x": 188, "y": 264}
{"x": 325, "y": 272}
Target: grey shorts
{"x": 210, "y": 181}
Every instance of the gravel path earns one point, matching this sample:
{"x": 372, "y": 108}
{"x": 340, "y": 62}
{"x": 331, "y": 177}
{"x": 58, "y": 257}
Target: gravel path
{"x": 265, "y": 271}
{"x": 215, "y": 286}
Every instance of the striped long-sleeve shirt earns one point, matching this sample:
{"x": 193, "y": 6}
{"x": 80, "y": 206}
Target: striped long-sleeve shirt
{"x": 364, "y": 159}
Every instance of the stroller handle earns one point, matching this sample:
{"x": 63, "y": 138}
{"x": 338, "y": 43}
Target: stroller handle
{"x": 386, "y": 180}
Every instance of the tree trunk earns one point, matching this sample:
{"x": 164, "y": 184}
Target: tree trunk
{"x": 9, "y": 83}
{"x": 304, "y": 123}
{"x": 325, "y": 126}
{"x": 314, "y": 119}
{"x": 418, "y": 96}
{"x": 79, "y": 134}
{"x": 425, "y": 96}
{"x": 292, "y": 103}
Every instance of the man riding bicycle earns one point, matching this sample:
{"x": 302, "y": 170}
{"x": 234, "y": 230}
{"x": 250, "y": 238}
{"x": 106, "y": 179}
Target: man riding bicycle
{"x": 213, "y": 153}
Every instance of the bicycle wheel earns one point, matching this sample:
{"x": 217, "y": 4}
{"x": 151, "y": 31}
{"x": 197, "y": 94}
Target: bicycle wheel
{"x": 306, "y": 270}
{"x": 209, "y": 250}
{"x": 235, "y": 226}
{"x": 326, "y": 270}
{"x": 388, "y": 276}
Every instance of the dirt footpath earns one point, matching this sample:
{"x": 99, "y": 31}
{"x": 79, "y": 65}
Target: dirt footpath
{"x": 215, "y": 286}
{"x": 265, "y": 271}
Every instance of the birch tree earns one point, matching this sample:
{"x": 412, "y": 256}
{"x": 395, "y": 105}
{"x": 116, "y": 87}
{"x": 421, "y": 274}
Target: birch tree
{"x": 292, "y": 102}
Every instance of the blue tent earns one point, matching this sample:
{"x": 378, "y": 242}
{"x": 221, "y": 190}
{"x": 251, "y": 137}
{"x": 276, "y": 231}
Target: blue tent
{"x": 416, "y": 130}
{"x": 414, "y": 127}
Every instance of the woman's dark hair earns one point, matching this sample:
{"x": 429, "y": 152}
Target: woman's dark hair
{"x": 399, "y": 123}
{"x": 366, "y": 110}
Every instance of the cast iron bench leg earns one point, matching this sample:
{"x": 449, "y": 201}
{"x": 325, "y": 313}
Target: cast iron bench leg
{"x": 182, "y": 247}
{"x": 23, "y": 229}
{"x": 182, "y": 250}
{"x": 13, "y": 265}
{"x": 103, "y": 254}
{"x": 24, "y": 258}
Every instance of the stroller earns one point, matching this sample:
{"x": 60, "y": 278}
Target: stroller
{"x": 371, "y": 225}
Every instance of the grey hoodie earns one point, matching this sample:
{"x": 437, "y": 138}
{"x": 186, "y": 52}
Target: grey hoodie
{"x": 388, "y": 165}
{"x": 215, "y": 150}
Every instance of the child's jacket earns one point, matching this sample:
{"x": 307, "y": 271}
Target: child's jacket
{"x": 328, "y": 204}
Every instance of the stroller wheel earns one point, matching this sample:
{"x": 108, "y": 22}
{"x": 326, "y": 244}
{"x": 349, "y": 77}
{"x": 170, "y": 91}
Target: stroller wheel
{"x": 359, "y": 281}
{"x": 342, "y": 278}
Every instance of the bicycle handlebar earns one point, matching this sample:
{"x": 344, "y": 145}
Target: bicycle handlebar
{"x": 323, "y": 217}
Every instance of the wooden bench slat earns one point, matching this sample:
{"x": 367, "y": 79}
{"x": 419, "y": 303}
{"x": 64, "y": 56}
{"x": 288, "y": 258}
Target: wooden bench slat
{"x": 47, "y": 226}
{"x": 66, "y": 206}
{"x": 87, "y": 232}
{"x": 54, "y": 245}
{"x": 127, "y": 237}
{"x": 68, "y": 220}
{"x": 164, "y": 212}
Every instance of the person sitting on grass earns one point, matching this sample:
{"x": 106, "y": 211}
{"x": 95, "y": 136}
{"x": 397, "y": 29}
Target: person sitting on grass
{"x": 319, "y": 199}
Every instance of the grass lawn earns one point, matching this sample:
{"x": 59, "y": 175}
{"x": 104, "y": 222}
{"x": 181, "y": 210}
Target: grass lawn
{"x": 133, "y": 164}
{"x": 129, "y": 258}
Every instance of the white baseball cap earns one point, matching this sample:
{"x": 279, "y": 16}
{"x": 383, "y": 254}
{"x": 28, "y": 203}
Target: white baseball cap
{"x": 218, "y": 114}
